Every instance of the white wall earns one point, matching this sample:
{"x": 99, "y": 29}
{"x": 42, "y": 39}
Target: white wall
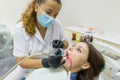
{"x": 10, "y": 11}
{"x": 103, "y": 14}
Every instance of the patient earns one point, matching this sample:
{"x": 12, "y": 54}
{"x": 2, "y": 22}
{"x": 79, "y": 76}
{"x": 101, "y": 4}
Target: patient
{"x": 87, "y": 63}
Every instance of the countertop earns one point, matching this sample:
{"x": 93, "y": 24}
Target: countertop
{"x": 111, "y": 37}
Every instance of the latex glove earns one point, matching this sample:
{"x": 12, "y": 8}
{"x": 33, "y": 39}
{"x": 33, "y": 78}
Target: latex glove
{"x": 54, "y": 61}
{"x": 57, "y": 44}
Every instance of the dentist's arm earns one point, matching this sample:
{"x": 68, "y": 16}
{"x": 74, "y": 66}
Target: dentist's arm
{"x": 52, "y": 61}
{"x": 30, "y": 63}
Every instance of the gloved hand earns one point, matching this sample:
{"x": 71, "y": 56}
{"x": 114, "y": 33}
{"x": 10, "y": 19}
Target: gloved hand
{"x": 54, "y": 61}
{"x": 57, "y": 44}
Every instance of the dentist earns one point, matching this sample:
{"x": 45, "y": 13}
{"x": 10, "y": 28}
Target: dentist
{"x": 38, "y": 31}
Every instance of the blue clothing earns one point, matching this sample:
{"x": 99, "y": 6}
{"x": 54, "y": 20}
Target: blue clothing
{"x": 73, "y": 76}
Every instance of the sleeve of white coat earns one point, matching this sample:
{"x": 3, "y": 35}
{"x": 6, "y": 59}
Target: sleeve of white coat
{"x": 20, "y": 43}
{"x": 62, "y": 33}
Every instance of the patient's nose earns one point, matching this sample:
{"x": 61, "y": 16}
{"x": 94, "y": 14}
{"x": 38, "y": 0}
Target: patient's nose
{"x": 71, "y": 48}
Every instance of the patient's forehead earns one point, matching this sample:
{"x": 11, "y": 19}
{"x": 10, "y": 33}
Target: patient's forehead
{"x": 83, "y": 45}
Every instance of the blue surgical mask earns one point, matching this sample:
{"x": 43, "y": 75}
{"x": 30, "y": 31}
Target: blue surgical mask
{"x": 45, "y": 20}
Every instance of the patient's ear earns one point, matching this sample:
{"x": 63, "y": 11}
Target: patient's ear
{"x": 85, "y": 65}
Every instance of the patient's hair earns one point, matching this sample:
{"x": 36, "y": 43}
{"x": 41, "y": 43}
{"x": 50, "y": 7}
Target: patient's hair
{"x": 29, "y": 16}
{"x": 97, "y": 63}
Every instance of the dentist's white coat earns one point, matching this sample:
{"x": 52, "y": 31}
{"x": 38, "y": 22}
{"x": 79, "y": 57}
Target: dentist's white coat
{"x": 24, "y": 45}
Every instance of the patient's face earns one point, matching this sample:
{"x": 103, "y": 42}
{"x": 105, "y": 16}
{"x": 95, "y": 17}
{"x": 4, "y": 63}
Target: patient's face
{"x": 78, "y": 54}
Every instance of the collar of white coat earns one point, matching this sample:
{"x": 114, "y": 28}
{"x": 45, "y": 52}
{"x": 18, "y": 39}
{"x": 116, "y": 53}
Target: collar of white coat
{"x": 48, "y": 32}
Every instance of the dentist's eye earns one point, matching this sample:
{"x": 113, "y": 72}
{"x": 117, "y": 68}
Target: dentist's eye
{"x": 49, "y": 13}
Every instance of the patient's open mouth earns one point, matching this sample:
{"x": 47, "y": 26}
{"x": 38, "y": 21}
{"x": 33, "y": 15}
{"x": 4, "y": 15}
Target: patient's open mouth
{"x": 67, "y": 55}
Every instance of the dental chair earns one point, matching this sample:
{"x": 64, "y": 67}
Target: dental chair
{"x": 6, "y": 46}
{"x": 112, "y": 59}
{"x": 5, "y": 42}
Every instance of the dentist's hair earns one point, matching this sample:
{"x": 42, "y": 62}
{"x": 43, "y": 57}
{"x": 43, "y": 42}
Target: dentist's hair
{"x": 97, "y": 64}
{"x": 43, "y": 1}
{"x": 29, "y": 17}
